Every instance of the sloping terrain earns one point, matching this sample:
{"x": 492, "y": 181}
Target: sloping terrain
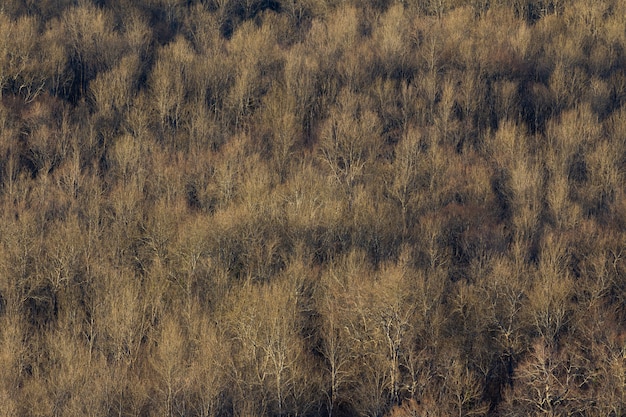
{"x": 312, "y": 207}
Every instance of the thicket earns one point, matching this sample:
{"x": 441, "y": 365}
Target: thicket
{"x": 312, "y": 207}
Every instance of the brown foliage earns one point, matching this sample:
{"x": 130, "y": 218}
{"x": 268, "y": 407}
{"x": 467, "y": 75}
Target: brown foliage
{"x": 312, "y": 207}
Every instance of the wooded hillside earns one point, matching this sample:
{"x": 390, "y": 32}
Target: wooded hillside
{"x": 237, "y": 208}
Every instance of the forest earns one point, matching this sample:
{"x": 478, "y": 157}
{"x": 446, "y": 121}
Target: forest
{"x": 299, "y": 208}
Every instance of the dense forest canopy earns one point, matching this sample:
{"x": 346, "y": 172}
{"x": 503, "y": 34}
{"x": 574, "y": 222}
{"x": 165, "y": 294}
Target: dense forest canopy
{"x": 237, "y": 208}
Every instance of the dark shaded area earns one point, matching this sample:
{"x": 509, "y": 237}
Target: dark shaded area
{"x": 294, "y": 208}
